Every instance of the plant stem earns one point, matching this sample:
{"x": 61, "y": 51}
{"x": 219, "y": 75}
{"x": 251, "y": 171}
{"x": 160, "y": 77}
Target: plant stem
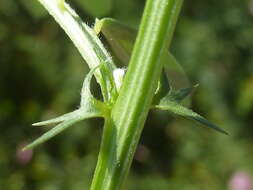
{"x": 85, "y": 39}
{"x": 135, "y": 97}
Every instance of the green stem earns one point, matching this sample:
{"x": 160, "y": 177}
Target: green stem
{"x": 135, "y": 97}
{"x": 86, "y": 41}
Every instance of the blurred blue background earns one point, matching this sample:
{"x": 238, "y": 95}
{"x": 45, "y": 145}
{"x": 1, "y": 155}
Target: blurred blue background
{"x": 41, "y": 74}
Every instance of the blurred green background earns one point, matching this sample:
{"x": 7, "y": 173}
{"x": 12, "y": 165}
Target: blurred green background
{"x": 41, "y": 74}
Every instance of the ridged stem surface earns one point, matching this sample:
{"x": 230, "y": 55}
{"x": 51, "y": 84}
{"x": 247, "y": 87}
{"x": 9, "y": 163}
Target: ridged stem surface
{"x": 131, "y": 108}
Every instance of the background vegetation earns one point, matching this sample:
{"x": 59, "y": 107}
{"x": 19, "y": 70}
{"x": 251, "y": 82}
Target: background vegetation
{"x": 41, "y": 75}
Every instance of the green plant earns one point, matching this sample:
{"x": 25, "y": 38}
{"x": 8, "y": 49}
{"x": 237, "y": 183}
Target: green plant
{"x": 127, "y": 96}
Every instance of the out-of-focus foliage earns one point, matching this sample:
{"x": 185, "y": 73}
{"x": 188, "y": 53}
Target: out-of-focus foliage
{"x": 41, "y": 75}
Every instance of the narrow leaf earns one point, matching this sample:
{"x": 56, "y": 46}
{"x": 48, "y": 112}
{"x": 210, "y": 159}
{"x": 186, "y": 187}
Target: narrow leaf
{"x": 67, "y": 116}
{"x": 88, "y": 104}
{"x": 90, "y": 107}
{"x": 179, "y": 95}
{"x": 178, "y": 109}
{"x": 80, "y": 115}
{"x": 51, "y": 133}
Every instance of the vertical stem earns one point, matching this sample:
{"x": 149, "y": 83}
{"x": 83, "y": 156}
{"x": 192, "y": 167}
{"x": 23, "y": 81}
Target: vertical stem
{"x": 132, "y": 106}
{"x": 104, "y": 159}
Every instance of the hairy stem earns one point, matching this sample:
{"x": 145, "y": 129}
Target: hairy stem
{"x": 85, "y": 39}
{"x": 135, "y": 97}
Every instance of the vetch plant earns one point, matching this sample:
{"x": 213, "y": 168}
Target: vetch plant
{"x": 128, "y": 92}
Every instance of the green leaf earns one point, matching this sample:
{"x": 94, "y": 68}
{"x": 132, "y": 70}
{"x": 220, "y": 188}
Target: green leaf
{"x": 68, "y": 120}
{"x": 56, "y": 130}
{"x": 174, "y": 107}
{"x": 67, "y": 116}
{"x": 89, "y": 108}
{"x": 179, "y": 95}
{"x": 121, "y": 39}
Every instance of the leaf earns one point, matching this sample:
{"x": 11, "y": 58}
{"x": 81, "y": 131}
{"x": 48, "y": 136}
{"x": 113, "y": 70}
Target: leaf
{"x": 166, "y": 93}
{"x": 68, "y": 121}
{"x": 56, "y": 130}
{"x": 178, "y": 109}
{"x": 89, "y": 108}
{"x": 179, "y": 95}
{"x": 121, "y": 39}
{"x": 67, "y": 116}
